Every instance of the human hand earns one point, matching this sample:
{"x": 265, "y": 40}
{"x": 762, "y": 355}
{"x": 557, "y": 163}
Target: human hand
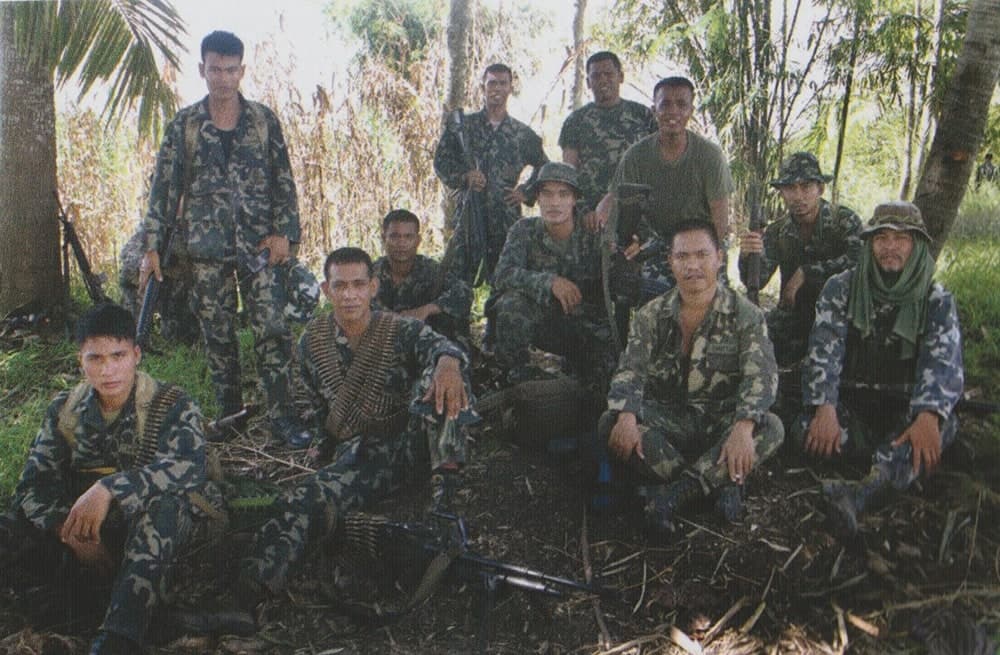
{"x": 751, "y": 243}
{"x": 515, "y": 196}
{"x": 738, "y": 453}
{"x": 823, "y": 438}
{"x": 150, "y": 266}
{"x": 792, "y": 288}
{"x": 279, "y": 249}
{"x": 625, "y": 437}
{"x": 83, "y": 523}
{"x": 475, "y": 180}
{"x": 633, "y": 248}
{"x": 592, "y": 222}
{"x": 447, "y": 388}
{"x": 567, "y": 293}
{"x": 924, "y": 435}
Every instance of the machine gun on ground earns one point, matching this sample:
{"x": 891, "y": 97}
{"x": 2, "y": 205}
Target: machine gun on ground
{"x": 92, "y": 281}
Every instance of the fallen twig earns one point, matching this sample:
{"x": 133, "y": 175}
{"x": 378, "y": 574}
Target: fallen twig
{"x": 588, "y": 574}
{"x": 721, "y": 623}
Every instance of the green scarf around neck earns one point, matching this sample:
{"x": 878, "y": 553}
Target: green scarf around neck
{"x": 909, "y": 293}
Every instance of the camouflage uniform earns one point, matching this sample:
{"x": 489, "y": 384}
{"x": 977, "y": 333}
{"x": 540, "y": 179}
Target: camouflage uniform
{"x": 833, "y": 247}
{"x": 363, "y": 467}
{"x": 501, "y": 154}
{"x": 454, "y": 296}
{"x": 601, "y": 135}
{"x": 177, "y": 321}
{"x": 687, "y": 406}
{"x": 151, "y": 511}
{"x": 528, "y": 313}
{"x": 230, "y": 206}
{"x": 933, "y": 380}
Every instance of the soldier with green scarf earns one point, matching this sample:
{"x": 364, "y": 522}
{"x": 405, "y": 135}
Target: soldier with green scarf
{"x": 890, "y": 331}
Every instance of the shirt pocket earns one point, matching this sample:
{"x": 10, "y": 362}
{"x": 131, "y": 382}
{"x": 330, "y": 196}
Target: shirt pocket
{"x": 722, "y": 357}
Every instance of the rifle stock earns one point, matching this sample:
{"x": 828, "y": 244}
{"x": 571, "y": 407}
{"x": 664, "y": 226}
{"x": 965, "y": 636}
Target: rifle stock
{"x": 144, "y": 322}
{"x": 91, "y": 280}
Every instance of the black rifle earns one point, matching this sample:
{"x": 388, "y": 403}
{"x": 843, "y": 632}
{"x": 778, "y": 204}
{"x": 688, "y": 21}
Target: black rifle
{"x": 620, "y": 278}
{"x": 144, "y": 322}
{"x": 471, "y": 213}
{"x": 753, "y": 282}
{"x": 91, "y": 280}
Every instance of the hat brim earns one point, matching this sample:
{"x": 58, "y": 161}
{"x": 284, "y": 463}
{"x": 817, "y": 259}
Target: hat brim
{"x": 898, "y": 227}
{"x": 785, "y": 181}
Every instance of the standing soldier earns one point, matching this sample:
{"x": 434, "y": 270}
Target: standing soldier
{"x": 808, "y": 245}
{"x": 987, "y": 171}
{"x": 888, "y": 327}
{"x": 223, "y": 179}
{"x": 595, "y": 136}
{"x": 688, "y": 410}
{"x": 484, "y": 154}
{"x": 416, "y": 286}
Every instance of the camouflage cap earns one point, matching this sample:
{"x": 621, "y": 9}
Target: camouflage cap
{"x": 800, "y": 167}
{"x": 556, "y": 171}
{"x": 896, "y": 215}
{"x": 302, "y": 292}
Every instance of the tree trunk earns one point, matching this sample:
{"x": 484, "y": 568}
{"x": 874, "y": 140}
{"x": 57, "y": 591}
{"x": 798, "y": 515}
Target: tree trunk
{"x": 960, "y": 129}
{"x": 29, "y": 236}
{"x": 579, "y": 58}
{"x": 459, "y": 32}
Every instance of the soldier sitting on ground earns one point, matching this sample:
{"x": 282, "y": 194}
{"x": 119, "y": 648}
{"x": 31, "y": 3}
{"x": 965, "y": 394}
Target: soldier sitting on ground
{"x": 109, "y": 484}
{"x": 688, "y": 406}
{"x": 888, "y": 327}
{"x": 808, "y": 245}
{"x": 548, "y": 283}
{"x": 416, "y": 286}
{"x": 384, "y": 391}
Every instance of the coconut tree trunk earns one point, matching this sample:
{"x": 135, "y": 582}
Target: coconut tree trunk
{"x": 459, "y": 31}
{"x": 29, "y": 237}
{"x": 962, "y": 123}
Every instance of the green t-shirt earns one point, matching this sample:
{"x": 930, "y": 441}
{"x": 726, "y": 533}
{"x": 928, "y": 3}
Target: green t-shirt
{"x": 683, "y": 188}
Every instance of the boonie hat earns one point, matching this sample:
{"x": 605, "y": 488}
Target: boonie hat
{"x": 556, "y": 171}
{"x": 896, "y": 215}
{"x": 800, "y": 167}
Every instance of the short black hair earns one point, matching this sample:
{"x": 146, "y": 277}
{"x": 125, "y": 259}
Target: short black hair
{"x": 105, "y": 320}
{"x": 989, "y": 155}
{"x": 696, "y": 225}
{"x": 604, "y": 55}
{"x": 226, "y": 44}
{"x": 674, "y": 82}
{"x": 400, "y": 216}
{"x": 348, "y": 255}
{"x": 499, "y": 68}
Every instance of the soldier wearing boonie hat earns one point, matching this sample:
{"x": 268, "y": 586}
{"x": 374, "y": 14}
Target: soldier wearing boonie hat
{"x": 811, "y": 242}
{"x": 888, "y": 328}
{"x": 556, "y": 171}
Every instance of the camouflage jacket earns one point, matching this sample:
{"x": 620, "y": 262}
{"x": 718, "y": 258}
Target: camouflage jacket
{"x": 56, "y": 466}
{"x": 531, "y": 259}
{"x": 454, "y": 296}
{"x": 601, "y": 135}
{"x": 501, "y": 155}
{"x": 415, "y": 354}
{"x": 232, "y": 205}
{"x": 833, "y": 247}
{"x": 938, "y": 377}
{"x": 731, "y": 368}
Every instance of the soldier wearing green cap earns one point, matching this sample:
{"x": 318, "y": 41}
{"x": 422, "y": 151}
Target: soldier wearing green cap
{"x": 548, "y": 282}
{"x": 890, "y": 331}
{"x": 813, "y": 241}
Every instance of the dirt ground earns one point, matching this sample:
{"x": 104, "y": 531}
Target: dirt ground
{"x": 927, "y": 563}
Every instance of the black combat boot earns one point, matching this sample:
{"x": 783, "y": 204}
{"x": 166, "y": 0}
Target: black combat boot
{"x": 729, "y": 502}
{"x": 662, "y": 505}
{"x": 847, "y": 500}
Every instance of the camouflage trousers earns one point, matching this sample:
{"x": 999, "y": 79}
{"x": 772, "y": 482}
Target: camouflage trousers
{"x": 361, "y": 471}
{"x": 145, "y": 544}
{"x": 583, "y": 337}
{"x": 677, "y": 440}
{"x": 789, "y": 327}
{"x": 264, "y": 297}
{"x": 867, "y": 431}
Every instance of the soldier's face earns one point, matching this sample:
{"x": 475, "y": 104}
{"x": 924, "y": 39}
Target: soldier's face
{"x": 605, "y": 81}
{"x": 673, "y": 107}
{"x": 109, "y": 366}
{"x": 556, "y": 201}
{"x": 497, "y": 88}
{"x": 892, "y": 249}
{"x": 695, "y": 261}
{"x": 223, "y": 74}
{"x": 401, "y": 240}
{"x": 350, "y": 291}
{"x": 802, "y": 199}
